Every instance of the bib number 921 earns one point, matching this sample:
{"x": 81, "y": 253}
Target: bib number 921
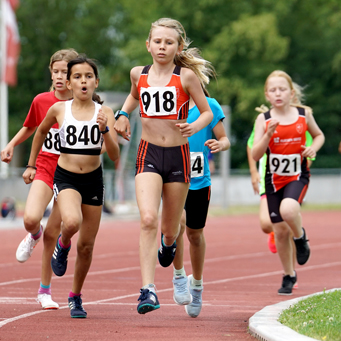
{"x": 285, "y": 165}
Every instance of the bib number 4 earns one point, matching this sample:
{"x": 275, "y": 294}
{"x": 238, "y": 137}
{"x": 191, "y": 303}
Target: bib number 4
{"x": 197, "y": 164}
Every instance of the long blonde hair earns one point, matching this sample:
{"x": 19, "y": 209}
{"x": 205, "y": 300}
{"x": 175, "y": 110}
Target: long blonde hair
{"x": 65, "y": 54}
{"x": 298, "y": 92}
{"x": 189, "y": 57}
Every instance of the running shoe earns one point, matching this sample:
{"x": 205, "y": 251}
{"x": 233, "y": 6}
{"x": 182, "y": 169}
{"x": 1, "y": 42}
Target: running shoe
{"x": 26, "y": 247}
{"x": 295, "y": 283}
{"x": 76, "y": 308}
{"x": 287, "y": 285}
{"x": 166, "y": 254}
{"x": 148, "y": 302}
{"x": 302, "y": 249}
{"x": 271, "y": 242}
{"x": 194, "y": 308}
{"x": 46, "y": 302}
{"x": 59, "y": 259}
{"x": 181, "y": 294}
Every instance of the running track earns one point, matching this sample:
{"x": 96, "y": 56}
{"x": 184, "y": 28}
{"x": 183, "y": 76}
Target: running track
{"x": 241, "y": 277}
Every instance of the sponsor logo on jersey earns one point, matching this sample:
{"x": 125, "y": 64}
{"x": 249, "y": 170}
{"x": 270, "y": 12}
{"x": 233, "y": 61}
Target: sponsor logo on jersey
{"x": 299, "y": 128}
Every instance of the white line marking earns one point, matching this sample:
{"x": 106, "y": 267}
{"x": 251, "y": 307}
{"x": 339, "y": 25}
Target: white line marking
{"x": 266, "y": 274}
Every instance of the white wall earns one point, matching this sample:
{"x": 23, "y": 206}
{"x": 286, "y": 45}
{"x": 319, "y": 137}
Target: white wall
{"x": 323, "y": 189}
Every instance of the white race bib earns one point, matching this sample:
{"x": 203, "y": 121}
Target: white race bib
{"x": 80, "y": 136}
{"x": 158, "y": 101}
{"x": 51, "y": 143}
{"x": 285, "y": 165}
{"x": 197, "y": 164}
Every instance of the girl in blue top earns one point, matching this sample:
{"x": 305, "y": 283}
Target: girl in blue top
{"x": 196, "y": 207}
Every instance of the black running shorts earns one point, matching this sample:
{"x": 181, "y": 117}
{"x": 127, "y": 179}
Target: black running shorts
{"x": 172, "y": 163}
{"x": 89, "y": 185}
{"x": 196, "y": 207}
{"x": 295, "y": 190}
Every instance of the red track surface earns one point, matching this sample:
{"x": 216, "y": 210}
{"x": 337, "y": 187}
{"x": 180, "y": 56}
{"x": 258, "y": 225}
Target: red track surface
{"x": 241, "y": 277}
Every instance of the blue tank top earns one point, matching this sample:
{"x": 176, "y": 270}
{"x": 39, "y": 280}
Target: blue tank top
{"x": 200, "y": 171}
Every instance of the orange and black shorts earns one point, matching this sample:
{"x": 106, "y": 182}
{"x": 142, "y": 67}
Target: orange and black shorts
{"x": 171, "y": 163}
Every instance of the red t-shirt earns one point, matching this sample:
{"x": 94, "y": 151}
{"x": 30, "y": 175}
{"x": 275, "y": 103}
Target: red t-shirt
{"x": 39, "y": 107}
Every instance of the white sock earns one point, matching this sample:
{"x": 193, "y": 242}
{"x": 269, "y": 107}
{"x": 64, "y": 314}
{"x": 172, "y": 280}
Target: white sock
{"x": 196, "y": 282}
{"x": 151, "y": 287}
{"x": 179, "y": 273}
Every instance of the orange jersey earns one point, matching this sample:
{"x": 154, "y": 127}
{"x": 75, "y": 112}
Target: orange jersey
{"x": 285, "y": 162}
{"x": 168, "y": 102}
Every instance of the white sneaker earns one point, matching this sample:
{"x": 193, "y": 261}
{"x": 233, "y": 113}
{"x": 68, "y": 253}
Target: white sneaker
{"x": 181, "y": 294}
{"x": 25, "y": 248}
{"x": 46, "y": 302}
{"x": 194, "y": 308}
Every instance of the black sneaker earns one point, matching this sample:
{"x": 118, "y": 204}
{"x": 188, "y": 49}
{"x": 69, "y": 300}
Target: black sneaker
{"x": 302, "y": 249}
{"x": 76, "y": 308}
{"x": 287, "y": 285}
{"x": 294, "y": 280}
{"x": 59, "y": 259}
{"x": 148, "y": 302}
{"x": 166, "y": 254}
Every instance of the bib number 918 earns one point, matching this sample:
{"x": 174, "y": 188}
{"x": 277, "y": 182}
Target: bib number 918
{"x": 158, "y": 101}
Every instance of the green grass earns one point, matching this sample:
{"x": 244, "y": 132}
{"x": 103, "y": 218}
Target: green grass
{"x": 318, "y": 316}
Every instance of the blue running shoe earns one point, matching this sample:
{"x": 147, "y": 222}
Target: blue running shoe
{"x": 76, "y": 308}
{"x": 59, "y": 259}
{"x": 166, "y": 254}
{"x": 148, "y": 302}
{"x": 194, "y": 308}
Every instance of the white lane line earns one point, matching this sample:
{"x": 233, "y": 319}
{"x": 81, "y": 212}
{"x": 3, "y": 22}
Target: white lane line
{"x": 137, "y": 268}
{"x": 267, "y": 274}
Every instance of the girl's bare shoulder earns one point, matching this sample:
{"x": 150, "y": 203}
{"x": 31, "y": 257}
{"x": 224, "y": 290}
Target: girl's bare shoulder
{"x": 135, "y": 72}
{"x": 57, "y": 107}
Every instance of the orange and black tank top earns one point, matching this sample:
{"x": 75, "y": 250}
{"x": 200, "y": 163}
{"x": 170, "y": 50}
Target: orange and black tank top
{"x": 285, "y": 162}
{"x": 168, "y": 102}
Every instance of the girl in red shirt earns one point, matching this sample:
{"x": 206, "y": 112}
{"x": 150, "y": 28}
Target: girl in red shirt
{"x": 41, "y": 190}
